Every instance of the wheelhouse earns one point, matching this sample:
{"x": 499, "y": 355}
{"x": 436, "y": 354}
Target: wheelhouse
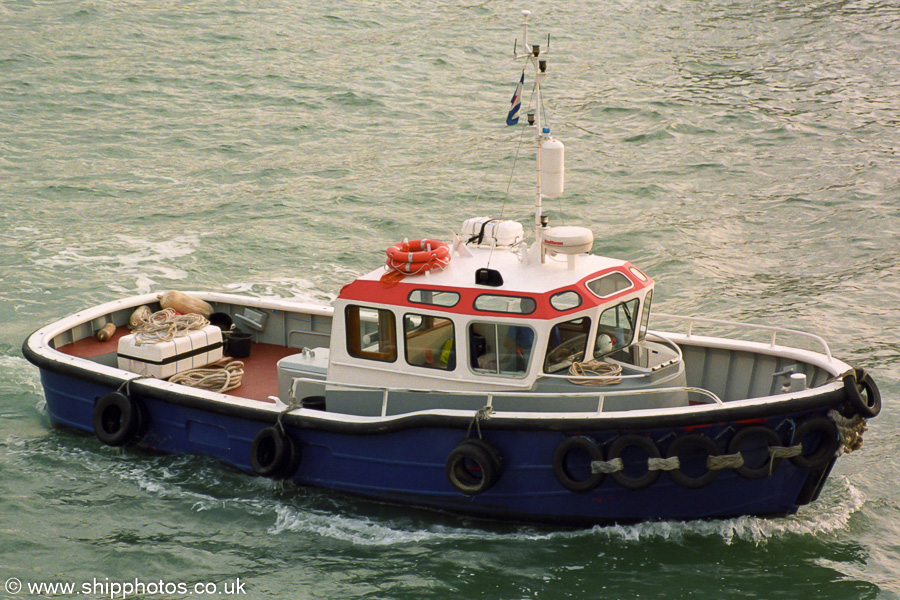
{"x": 404, "y": 334}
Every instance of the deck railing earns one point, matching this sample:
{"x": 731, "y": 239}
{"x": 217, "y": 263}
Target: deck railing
{"x": 772, "y": 331}
{"x": 709, "y": 397}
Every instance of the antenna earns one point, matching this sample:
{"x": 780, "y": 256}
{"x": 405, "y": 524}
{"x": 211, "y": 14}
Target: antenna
{"x": 536, "y": 55}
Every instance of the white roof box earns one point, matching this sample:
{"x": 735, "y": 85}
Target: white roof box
{"x": 566, "y": 239}
{"x": 487, "y": 231}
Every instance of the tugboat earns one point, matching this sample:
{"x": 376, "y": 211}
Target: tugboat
{"x": 503, "y": 375}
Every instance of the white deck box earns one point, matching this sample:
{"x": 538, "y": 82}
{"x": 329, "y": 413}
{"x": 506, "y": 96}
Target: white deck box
{"x": 197, "y": 349}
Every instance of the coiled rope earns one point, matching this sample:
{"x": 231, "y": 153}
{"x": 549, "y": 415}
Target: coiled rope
{"x": 595, "y": 372}
{"x": 223, "y": 378}
{"x": 165, "y": 325}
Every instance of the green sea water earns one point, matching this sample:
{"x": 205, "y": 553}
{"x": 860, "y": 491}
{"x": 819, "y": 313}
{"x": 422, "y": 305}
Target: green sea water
{"x": 745, "y": 154}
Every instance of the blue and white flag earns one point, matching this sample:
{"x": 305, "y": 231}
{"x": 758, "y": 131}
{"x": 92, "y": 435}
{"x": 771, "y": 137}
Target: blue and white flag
{"x": 516, "y": 103}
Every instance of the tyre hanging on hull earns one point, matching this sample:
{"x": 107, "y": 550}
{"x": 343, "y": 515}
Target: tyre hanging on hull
{"x": 473, "y": 466}
{"x": 565, "y": 461}
{"x": 862, "y": 393}
{"x": 635, "y": 451}
{"x": 753, "y": 443}
{"x": 693, "y": 451}
{"x": 118, "y": 419}
{"x": 819, "y": 439}
{"x": 274, "y": 454}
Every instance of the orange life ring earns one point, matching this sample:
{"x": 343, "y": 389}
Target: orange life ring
{"x": 418, "y": 256}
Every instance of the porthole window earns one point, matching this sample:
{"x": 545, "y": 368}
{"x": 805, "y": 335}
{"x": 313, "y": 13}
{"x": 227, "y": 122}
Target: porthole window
{"x": 566, "y": 300}
{"x": 639, "y": 274}
{"x": 518, "y": 305}
{"x": 434, "y": 297}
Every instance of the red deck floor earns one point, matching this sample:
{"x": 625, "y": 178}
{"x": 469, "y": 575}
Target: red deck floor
{"x": 260, "y": 378}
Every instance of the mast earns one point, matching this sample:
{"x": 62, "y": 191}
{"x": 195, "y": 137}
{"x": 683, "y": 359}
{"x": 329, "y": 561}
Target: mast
{"x": 544, "y": 143}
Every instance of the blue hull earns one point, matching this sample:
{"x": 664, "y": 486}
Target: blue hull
{"x": 408, "y": 464}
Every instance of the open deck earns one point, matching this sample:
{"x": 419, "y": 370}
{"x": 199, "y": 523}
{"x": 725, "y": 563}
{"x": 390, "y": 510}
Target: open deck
{"x": 259, "y": 382}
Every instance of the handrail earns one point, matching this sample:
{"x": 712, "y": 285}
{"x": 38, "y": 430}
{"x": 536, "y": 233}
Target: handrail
{"x": 489, "y": 396}
{"x": 774, "y": 331}
{"x": 658, "y": 337}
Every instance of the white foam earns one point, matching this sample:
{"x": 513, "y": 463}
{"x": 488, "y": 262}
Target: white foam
{"x": 826, "y": 516}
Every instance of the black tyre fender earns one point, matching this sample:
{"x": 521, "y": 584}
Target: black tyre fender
{"x": 648, "y": 446}
{"x": 580, "y": 443}
{"x": 118, "y": 419}
{"x": 693, "y": 444}
{"x": 292, "y": 458}
{"x": 745, "y": 438}
{"x": 474, "y": 466}
{"x": 270, "y": 452}
{"x": 829, "y": 440}
{"x": 862, "y": 393}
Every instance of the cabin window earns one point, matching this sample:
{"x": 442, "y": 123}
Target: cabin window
{"x": 645, "y": 316}
{"x": 505, "y": 304}
{"x": 610, "y": 284}
{"x": 566, "y": 300}
{"x": 429, "y": 342}
{"x": 500, "y": 349}
{"x": 434, "y": 297}
{"x": 616, "y": 328}
{"x": 567, "y": 344}
{"x": 371, "y": 333}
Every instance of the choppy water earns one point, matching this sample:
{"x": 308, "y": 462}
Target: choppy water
{"x": 743, "y": 153}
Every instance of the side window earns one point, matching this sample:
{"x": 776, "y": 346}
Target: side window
{"x": 616, "y": 328}
{"x": 645, "y": 316}
{"x": 500, "y": 349}
{"x": 429, "y": 342}
{"x": 567, "y": 343}
{"x": 371, "y": 333}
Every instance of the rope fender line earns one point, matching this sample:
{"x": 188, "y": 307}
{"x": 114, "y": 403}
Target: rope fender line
{"x": 663, "y": 464}
{"x": 482, "y": 414}
{"x": 607, "y": 466}
{"x": 713, "y": 463}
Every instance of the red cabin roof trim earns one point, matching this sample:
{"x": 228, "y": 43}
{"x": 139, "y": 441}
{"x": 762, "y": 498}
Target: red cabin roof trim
{"x": 371, "y": 291}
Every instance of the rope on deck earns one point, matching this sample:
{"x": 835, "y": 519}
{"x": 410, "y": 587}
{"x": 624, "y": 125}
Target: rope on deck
{"x": 165, "y": 325}
{"x": 217, "y": 378}
{"x": 595, "y": 372}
